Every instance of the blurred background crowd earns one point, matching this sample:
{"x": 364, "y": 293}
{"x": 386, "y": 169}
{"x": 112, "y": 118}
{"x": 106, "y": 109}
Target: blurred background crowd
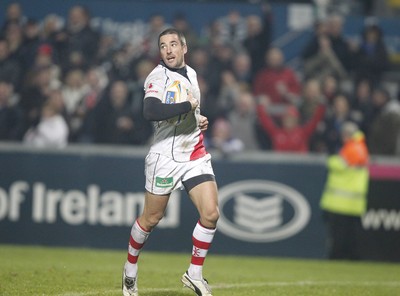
{"x": 63, "y": 81}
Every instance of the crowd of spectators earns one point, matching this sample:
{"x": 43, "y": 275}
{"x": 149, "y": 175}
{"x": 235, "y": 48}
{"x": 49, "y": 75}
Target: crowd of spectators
{"x": 62, "y": 84}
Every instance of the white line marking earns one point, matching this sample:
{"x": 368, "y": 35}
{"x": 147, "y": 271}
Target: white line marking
{"x": 223, "y": 286}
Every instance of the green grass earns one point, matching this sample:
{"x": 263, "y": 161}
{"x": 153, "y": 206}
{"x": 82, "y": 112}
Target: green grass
{"x": 80, "y": 272}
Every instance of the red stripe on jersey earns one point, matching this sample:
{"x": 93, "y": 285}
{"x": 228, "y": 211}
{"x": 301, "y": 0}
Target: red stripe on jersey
{"x": 199, "y": 150}
{"x": 134, "y": 244}
{"x": 200, "y": 244}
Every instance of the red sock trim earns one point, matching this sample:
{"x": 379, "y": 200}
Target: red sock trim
{"x": 132, "y": 259}
{"x": 198, "y": 260}
{"x": 200, "y": 244}
{"x": 134, "y": 244}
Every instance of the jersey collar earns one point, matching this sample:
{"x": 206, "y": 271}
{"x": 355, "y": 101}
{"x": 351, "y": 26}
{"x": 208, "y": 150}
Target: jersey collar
{"x": 182, "y": 71}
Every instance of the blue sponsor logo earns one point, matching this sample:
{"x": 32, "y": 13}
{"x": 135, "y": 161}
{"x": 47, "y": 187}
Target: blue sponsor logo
{"x": 170, "y": 97}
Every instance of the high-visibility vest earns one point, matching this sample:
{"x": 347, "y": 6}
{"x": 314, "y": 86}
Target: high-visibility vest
{"x": 346, "y": 188}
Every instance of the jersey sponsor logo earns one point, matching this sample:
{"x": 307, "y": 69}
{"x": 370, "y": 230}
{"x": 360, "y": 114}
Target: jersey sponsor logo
{"x": 170, "y": 97}
{"x": 262, "y": 211}
{"x": 164, "y": 182}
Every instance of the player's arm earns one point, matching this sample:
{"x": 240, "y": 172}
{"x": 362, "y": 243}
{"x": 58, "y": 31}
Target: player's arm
{"x": 155, "y": 110}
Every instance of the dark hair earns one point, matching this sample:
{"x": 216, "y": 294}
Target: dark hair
{"x": 168, "y": 31}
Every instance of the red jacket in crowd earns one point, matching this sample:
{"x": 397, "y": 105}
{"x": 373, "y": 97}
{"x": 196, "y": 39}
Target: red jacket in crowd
{"x": 295, "y": 139}
{"x": 267, "y": 82}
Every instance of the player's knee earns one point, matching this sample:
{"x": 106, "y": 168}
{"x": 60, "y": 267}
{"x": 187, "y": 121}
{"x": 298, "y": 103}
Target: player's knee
{"x": 211, "y": 217}
{"x": 153, "y": 220}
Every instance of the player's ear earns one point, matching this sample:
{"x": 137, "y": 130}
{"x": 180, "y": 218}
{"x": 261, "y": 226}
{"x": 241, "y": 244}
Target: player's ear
{"x": 185, "y": 49}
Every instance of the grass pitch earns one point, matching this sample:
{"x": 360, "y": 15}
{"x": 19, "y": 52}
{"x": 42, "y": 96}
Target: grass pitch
{"x": 83, "y": 272}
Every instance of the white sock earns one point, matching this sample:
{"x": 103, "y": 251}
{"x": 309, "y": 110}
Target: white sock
{"x": 195, "y": 271}
{"x": 202, "y": 238}
{"x": 136, "y": 242}
{"x": 131, "y": 269}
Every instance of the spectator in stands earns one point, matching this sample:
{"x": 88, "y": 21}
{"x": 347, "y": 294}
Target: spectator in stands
{"x": 121, "y": 67}
{"x": 361, "y": 104}
{"x": 291, "y": 136}
{"x": 222, "y": 55}
{"x": 9, "y": 115}
{"x": 340, "y": 113}
{"x": 330, "y": 88}
{"x": 210, "y": 33}
{"x": 15, "y": 38}
{"x": 310, "y": 100}
{"x": 209, "y": 102}
{"x": 279, "y": 83}
{"x": 51, "y": 25}
{"x": 73, "y": 89}
{"x": 44, "y": 59}
{"x": 83, "y": 118}
{"x": 114, "y": 119}
{"x": 338, "y": 42}
{"x": 371, "y": 57}
{"x": 329, "y": 42}
{"x": 180, "y": 22}
{"x": 243, "y": 120}
{"x": 50, "y": 29}
{"x": 142, "y": 70}
{"x": 107, "y": 46}
{"x": 10, "y": 68}
{"x": 384, "y": 130}
{"x": 232, "y": 29}
{"x": 52, "y": 129}
{"x": 31, "y": 42}
{"x": 33, "y": 96}
{"x": 311, "y": 48}
{"x": 201, "y": 61}
{"x": 258, "y": 38}
{"x": 156, "y": 24}
{"x": 324, "y": 62}
{"x": 77, "y": 43}
{"x": 229, "y": 91}
{"x": 143, "y": 126}
{"x": 222, "y": 139}
{"x": 14, "y": 14}
{"x": 241, "y": 69}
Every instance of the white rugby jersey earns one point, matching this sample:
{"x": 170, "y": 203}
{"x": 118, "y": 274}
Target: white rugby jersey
{"x": 182, "y": 141}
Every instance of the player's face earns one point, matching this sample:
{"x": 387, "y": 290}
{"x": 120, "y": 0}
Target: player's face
{"x": 172, "y": 51}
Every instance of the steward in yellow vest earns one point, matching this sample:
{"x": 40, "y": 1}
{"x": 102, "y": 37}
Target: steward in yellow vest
{"x": 344, "y": 199}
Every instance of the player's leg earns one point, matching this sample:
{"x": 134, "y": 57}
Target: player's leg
{"x": 205, "y": 197}
{"x": 154, "y": 209}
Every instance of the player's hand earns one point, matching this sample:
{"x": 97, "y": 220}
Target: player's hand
{"x": 194, "y": 102}
{"x": 203, "y": 123}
